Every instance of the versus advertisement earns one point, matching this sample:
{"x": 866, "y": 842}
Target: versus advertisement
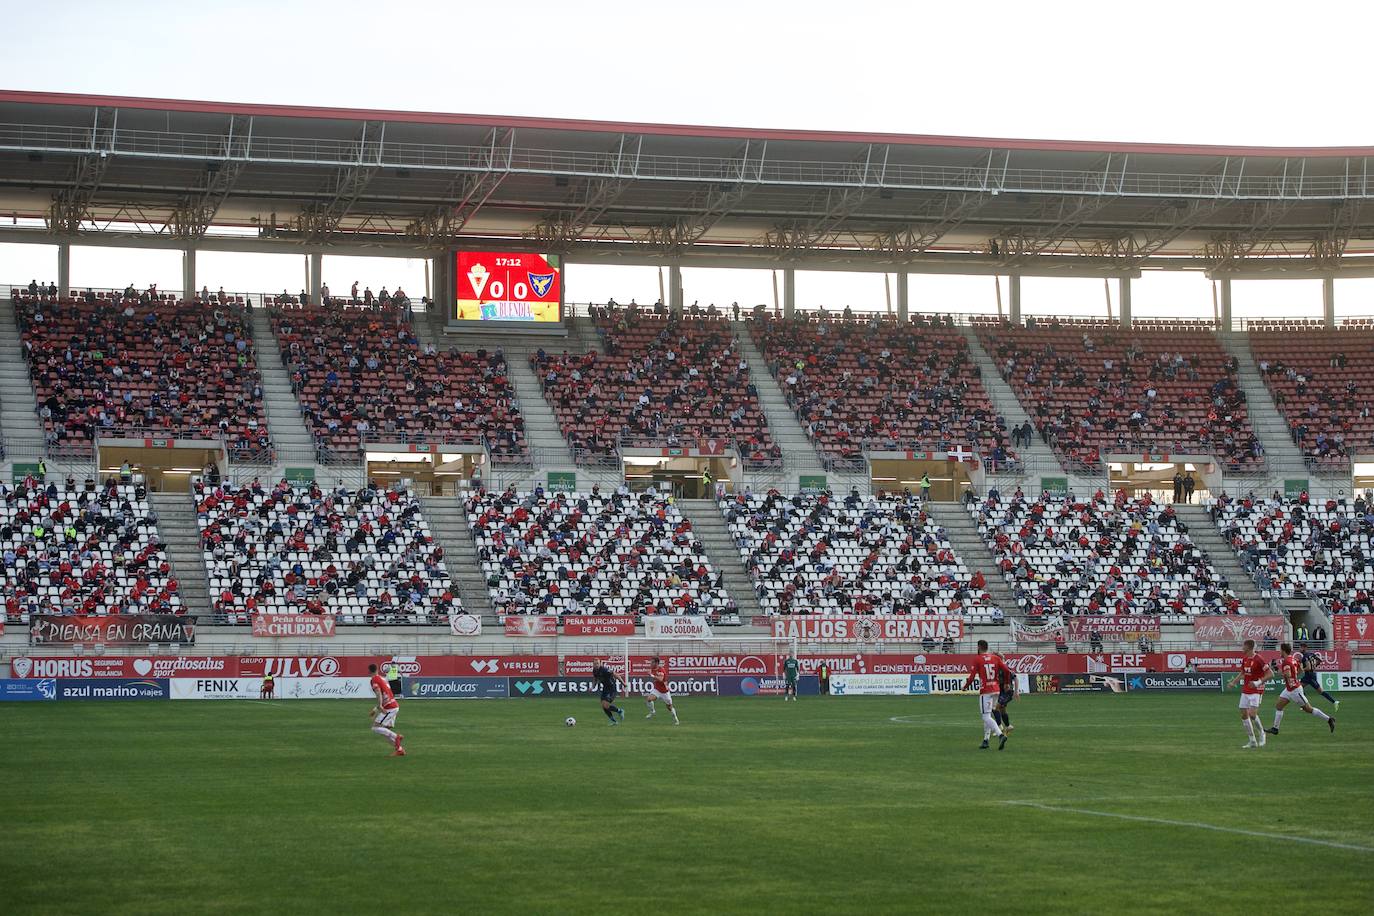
{"x": 575, "y": 686}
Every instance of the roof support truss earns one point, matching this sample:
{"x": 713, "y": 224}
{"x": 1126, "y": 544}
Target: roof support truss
{"x": 71, "y": 206}
{"x": 345, "y": 186}
{"x": 195, "y": 213}
{"x": 591, "y": 198}
{"x": 468, "y": 192}
{"x": 863, "y": 177}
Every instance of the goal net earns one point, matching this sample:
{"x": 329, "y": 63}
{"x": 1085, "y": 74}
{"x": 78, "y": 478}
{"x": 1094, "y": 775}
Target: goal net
{"x": 716, "y": 656}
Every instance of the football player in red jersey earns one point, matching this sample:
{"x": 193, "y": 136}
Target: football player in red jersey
{"x": 1254, "y": 671}
{"x": 1292, "y": 668}
{"x": 986, "y": 668}
{"x": 658, "y": 690}
{"x": 384, "y": 713}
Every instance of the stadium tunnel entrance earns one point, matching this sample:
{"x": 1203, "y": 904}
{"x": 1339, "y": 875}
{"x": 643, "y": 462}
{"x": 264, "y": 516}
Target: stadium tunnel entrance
{"x": 686, "y": 476}
{"x": 949, "y": 479}
{"x": 165, "y": 465}
{"x": 1142, "y": 474}
{"x": 431, "y": 470}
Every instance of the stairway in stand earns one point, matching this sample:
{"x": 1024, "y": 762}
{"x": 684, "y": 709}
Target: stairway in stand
{"x": 711, "y": 529}
{"x": 1209, "y": 539}
{"x": 285, "y": 424}
{"x": 179, "y": 530}
{"x": 448, "y": 523}
{"x": 970, "y": 547}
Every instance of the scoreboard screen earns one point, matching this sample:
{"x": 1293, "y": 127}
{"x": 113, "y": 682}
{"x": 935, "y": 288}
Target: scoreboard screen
{"x": 504, "y": 286}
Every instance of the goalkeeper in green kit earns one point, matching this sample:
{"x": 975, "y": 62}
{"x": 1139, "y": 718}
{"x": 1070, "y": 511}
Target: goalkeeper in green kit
{"x": 790, "y": 669}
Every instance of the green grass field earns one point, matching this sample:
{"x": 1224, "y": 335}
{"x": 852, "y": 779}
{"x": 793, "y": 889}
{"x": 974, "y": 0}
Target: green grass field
{"x": 752, "y": 805}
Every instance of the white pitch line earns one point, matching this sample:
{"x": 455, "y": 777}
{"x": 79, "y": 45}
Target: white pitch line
{"x": 1198, "y": 825}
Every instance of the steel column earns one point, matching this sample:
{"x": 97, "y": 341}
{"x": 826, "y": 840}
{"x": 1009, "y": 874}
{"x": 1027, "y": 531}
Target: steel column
{"x": 1123, "y": 285}
{"x": 789, "y": 292}
{"x": 903, "y": 297}
{"x": 1225, "y": 283}
{"x": 64, "y": 269}
{"x": 188, "y": 273}
{"x": 1014, "y": 288}
{"x": 675, "y": 289}
{"x": 316, "y": 275}
{"x": 1329, "y": 301}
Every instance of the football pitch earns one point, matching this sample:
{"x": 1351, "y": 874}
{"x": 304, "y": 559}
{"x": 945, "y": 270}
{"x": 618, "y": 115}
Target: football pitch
{"x": 1100, "y": 803}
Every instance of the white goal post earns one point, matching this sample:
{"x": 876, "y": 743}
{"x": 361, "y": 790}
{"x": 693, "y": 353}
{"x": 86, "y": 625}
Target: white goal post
{"x": 751, "y": 653}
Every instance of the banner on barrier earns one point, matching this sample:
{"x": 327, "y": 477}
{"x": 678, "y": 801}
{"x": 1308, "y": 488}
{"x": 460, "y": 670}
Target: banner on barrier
{"x": 1347, "y": 680}
{"x": 113, "y": 689}
{"x": 669, "y": 627}
{"x": 1123, "y": 627}
{"x": 530, "y": 625}
{"x": 855, "y": 685}
{"x": 1236, "y": 628}
{"x": 1356, "y": 628}
{"x": 113, "y": 630}
{"x": 324, "y": 688}
{"x": 577, "y": 686}
{"x": 698, "y": 665}
{"x": 25, "y": 690}
{"x": 214, "y": 688}
{"x": 1173, "y": 680}
{"x": 465, "y": 625}
{"x": 734, "y": 686}
{"x": 599, "y": 626}
{"x": 863, "y": 628}
{"x": 457, "y": 688}
{"x": 1051, "y": 630}
{"x": 1077, "y": 683}
{"x": 950, "y": 683}
{"x": 279, "y": 626}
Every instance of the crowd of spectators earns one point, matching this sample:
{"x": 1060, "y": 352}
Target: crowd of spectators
{"x": 1092, "y": 390}
{"x": 592, "y": 553}
{"x": 817, "y": 554}
{"x": 1321, "y": 381}
{"x": 857, "y": 384}
{"x": 664, "y": 381}
{"x": 365, "y": 556}
{"x": 1297, "y": 547}
{"x": 1104, "y": 555}
{"x": 362, "y": 375}
{"x": 90, "y": 548}
{"x": 143, "y": 364}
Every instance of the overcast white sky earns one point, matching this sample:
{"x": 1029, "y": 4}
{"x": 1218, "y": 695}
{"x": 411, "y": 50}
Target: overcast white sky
{"x": 1263, "y": 73}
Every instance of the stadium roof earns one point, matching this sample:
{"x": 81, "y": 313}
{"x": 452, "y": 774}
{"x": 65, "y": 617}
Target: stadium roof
{"x": 160, "y": 172}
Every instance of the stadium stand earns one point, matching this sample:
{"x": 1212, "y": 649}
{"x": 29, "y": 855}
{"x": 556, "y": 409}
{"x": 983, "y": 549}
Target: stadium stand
{"x": 661, "y": 382}
{"x": 1093, "y": 389}
{"x": 131, "y": 365}
{"x": 592, "y": 553}
{"x": 857, "y": 384}
{"x": 1104, "y": 555}
{"x": 818, "y": 554}
{"x": 365, "y": 556}
{"x": 1321, "y": 380}
{"x": 361, "y": 375}
{"x": 1298, "y": 548}
{"x": 82, "y": 549}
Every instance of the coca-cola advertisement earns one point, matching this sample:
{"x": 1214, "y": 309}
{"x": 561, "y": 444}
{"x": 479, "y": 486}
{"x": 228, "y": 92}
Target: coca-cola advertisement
{"x": 523, "y": 625}
{"x": 278, "y": 626}
{"x": 1127, "y": 628}
{"x": 598, "y": 626}
{"x": 114, "y": 630}
{"x": 1356, "y": 628}
{"x": 865, "y": 628}
{"x": 1234, "y": 629}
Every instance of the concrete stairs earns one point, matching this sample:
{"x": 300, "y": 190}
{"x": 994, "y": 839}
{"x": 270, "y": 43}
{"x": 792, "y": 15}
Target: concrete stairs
{"x": 18, "y": 409}
{"x": 448, "y": 523}
{"x": 1039, "y": 459}
{"x": 285, "y": 424}
{"x": 970, "y": 547}
{"x": 1207, "y": 537}
{"x": 799, "y": 456}
{"x": 1284, "y": 456}
{"x": 177, "y": 526}
{"x": 583, "y": 331}
{"x": 710, "y": 528}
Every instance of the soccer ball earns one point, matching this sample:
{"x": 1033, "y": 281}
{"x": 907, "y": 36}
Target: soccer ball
{"x": 570, "y": 721}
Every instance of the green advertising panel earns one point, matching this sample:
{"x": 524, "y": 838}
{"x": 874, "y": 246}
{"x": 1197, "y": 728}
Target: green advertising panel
{"x": 1294, "y": 486}
{"x": 562, "y": 481}
{"x": 811, "y": 483}
{"x": 21, "y": 470}
{"x": 1054, "y": 484}
{"x": 300, "y": 475}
